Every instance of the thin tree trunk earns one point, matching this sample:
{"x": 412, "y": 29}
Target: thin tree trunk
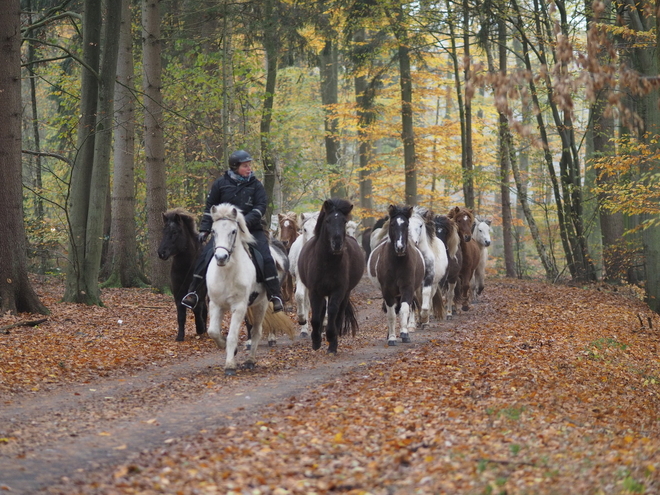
{"x": 329, "y": 98}
{"x": 80, "y": 187}
{"x": 154, "y": 145}
{"x": 123, "y": 244}
{"x": 16, "y": 293}
{"x": 468, "y": 170}
{"x": 267, "y": 158}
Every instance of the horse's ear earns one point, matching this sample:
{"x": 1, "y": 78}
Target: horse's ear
{"x": 488, "y": 222}
{"x": 409, "y": 211}
{"x": 164, "y": 217}
{"x": 390, "y": 209}
{"x": 214, "y": 208}
{"x": 327, "y": 204}
{"x": 234, "y": 213}
{"x": 280, "y": 216}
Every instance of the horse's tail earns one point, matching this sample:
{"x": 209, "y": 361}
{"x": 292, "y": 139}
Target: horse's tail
{"x": 350, "y": 320}
{"x": 438, "y": 305}
{"x": 275, "y": 323}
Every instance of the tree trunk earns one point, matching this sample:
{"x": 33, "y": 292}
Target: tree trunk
{"x": 16, "y": 293}
{"x": 80, "y": 187}
{"x": 268, "y": 161}
{"x": 468, "y": 170}
{"x": 154, "y": 145}
{"x": 123, "y": 244}
{"x": 329, "y": 89}
{"x": 506, "y": 151}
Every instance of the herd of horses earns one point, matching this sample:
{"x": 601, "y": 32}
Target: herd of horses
{"x": 424, "y": 265}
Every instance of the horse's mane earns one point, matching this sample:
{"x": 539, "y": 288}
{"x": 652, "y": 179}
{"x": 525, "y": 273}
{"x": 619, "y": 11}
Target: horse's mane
{"x": 292, "y": 216}
{"x": 227, "y": 210}
{"x": 427, "y": 216}
{"x": 186, "y": 217}
{"x": 343, "y": 206}
{"x": 453, "y": 239}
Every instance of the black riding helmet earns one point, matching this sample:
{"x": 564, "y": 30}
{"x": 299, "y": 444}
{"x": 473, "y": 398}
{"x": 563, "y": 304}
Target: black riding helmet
{"x": 238, "y": 157}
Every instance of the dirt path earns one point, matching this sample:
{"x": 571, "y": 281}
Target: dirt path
{"x": 97, "y": 425}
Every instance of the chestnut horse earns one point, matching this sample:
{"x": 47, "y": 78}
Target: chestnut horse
{"x": 331, "y": 265}
{"x": 447, "y": 231}
{"x": 464, "y": 219}
{"x": 287, "y": 233}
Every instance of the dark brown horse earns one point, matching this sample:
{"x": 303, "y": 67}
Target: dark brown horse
{"x": 180, "y": 240}
{"x": 396, "y": 267}
{"x": 331, "y": 265}
{"x": 447, "y": 231}
{"x": 464, "y": 219}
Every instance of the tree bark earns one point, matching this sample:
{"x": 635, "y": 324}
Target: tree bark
{"x": 81, "y": 173}
{"x": 123, "y": 244}
{"x": 267, "y": 158}
{"x": 154, "y": 145}
{"x": 329, "y": 90}
{"x": 468, "y": 166}
{"x": 16, "y": 293}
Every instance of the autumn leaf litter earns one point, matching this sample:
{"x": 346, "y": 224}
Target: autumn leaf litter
{"x": 550, "y": 390}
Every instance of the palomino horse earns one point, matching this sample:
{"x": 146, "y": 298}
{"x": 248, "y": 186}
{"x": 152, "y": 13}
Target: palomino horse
{"x": 464, "y": 219}
{"x": 287, "y": 233}
{"x": 481, "y": 235}
{"x": 396, "y": 267}
{"x": 307, "y": 225}
{"x": 231, "y": 280}
{"x": 447, "y": 231}
{"x": 331, "y": 265}
{"x": 180, "y": 240}
{"x": 422, "y": 232}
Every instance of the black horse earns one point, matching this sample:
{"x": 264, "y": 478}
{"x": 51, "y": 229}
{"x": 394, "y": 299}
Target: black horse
{"x": 331, "y": 265}
{"x": 180, "y": 240}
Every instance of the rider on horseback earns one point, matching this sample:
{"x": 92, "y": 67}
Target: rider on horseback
{"x": 240, "y": 187}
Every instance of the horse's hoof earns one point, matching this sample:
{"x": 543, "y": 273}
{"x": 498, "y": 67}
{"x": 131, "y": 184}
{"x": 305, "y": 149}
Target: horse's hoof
{"x": 248, "y": 365}
{"x": 449, "y": 317}
{"x": 391, "y": 343}
{"x": 332, "y": 353}
{"x": 466, "y": 308}
{"x": 405, "y": 338}
{"x": 271, "y": 343}
{"x": 304, "y": 335}
{"x": 247, "y": 347}
{"x": 230, "y": 372}
{"x": 302, "y": 322}
{"x": 316, "y": 345}
{"x": 179, "y": 339}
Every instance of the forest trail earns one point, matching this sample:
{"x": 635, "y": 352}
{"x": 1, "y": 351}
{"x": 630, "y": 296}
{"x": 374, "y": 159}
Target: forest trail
{"x": 537, "y": 389}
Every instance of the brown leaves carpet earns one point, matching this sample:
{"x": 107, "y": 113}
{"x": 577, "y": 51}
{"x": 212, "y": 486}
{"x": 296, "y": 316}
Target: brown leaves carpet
{"x": 551, "y": 389}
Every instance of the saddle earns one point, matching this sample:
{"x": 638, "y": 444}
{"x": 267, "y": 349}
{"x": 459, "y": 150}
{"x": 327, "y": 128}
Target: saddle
{"x": 258, "y": 261}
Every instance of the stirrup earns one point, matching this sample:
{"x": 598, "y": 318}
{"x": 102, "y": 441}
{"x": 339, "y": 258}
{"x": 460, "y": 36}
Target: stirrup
{"x": 188, "y": 302}
{"x": 277, "y": 304}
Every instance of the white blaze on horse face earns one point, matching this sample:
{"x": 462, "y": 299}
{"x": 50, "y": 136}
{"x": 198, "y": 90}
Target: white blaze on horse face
{"x": 399, "y": 242}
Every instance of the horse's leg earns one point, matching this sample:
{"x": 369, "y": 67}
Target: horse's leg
{"x": 200, "y": 318}
{"x": 237, "y": 317}
{"x": 334, "y": 320}
{"x": 404, "y": 314}
{"x": 181, "y": 321}
{"x": 258, "y": 314}
{"x": 317, "y": 303}
{"x": 391, "y": 324}
{"x": 449, "y": 293}
{"x": 302, "y": 305}
{"x": 215, "y": 322}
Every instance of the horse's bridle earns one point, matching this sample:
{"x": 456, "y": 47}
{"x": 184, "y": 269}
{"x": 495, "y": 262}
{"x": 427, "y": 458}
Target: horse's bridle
{"x": 230, "y": 249}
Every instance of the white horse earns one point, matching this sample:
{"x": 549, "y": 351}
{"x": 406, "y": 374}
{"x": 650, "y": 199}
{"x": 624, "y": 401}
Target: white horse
{"x": 422, "y": 232}
{"x": 307, "y": 224}
{"x": 481, "y": 234}
{"x": 351, "y": 228}
{"x": 232, "y": 284}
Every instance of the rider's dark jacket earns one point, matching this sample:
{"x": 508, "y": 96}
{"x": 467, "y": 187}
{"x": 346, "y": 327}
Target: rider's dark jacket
{"x": 249, "y": 196}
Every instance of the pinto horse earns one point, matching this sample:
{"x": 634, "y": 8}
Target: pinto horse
{"x": 447, "y": 231}
{"x": 307, "y": 225}
{"x": 422, "y": 232}
{"x": 287, "y": 233}
{"x": 481, "y": 235}
{"x": 331, "y": 265}
{"x": 180, "y": 241}
{"x": 396, "y": 267}
{"x": 464, "y": 219}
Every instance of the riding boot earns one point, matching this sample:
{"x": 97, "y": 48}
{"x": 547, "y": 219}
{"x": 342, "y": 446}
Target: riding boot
{"x": 274, "y": 290}
{"x": 198, "y": 284}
